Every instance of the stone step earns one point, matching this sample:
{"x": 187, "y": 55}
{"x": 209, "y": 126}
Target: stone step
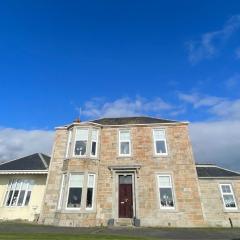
{"x": 124, "y": 222}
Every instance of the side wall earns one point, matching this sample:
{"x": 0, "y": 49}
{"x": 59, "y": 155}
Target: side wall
{"x": 29, "y": 212}
{"x": 215, "y": 213}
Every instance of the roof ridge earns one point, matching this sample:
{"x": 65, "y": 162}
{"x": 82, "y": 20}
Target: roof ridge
{"x": 43, "y": 160}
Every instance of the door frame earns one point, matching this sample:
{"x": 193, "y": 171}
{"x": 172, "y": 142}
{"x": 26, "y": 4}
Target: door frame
{"x": 116, "y": 192}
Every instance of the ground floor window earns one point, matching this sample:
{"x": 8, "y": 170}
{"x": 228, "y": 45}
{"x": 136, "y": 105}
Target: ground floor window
{"x": 73, "y": 188}
{"x": 166, "y": 192}
{"x": 228, "y": 196}
{"x": 18, "y": 192}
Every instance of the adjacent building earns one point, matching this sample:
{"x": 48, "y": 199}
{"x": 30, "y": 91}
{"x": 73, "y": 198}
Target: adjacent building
{"x": 135, "y": 171}
{"x": 22, "y": 187}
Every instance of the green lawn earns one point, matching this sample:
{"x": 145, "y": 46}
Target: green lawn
{"x": 52, "y": 236}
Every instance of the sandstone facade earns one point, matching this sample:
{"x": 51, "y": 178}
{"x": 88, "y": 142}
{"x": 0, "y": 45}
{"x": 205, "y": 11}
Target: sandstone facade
{"x": 144, "y": 167}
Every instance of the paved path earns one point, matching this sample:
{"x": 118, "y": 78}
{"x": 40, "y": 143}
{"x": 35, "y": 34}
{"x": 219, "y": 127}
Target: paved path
{"x": 164, "y": 233}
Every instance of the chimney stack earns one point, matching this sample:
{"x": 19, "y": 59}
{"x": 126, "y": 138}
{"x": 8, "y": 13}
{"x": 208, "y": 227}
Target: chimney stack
{"x": 77, "y": 120}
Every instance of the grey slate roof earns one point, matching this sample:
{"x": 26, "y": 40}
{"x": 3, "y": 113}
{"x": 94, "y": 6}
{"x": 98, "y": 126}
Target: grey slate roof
{"x": 36, "y": 161}
{"x": 131, "y": 120}
{"x": 213, "y": 171}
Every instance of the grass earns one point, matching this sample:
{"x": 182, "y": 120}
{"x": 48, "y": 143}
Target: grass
{"x": 53, "y": 236}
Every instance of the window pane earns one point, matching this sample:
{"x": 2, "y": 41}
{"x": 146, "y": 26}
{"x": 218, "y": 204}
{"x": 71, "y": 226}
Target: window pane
{"x": 21, "y": 197}
{"x": 89, "y": 197}
{"x": 90, "y": 181}
{"x": 160, "y": 147}
{"x": 159, "y": 134}
{"x": 94, "y": 135}
{"x": 74, "y": 198}
{"x": 229, "y": 201}
{"x": 226, "y": 189}
{"x": 24, "y": 185}
{"x": 164, "y": 181}
{"x": 125, "y": 135}
{"x": 9, "y": 198}
{"x": 80, "y": 148}
{"x": 166, "y": 197}
{"x": 76, "y": 180}
{"x": 125, "y": 179}
{"x": 5, "y": 198}
{"x": 15, "y": 196}
{"x": 93, "y": 149}
{"x": 28, "y": 198}
{"x": 124, "y": 148}
{"x": 81, "y": 134}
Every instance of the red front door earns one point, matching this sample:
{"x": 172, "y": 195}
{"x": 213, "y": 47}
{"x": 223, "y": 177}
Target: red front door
{"x": 125, "y": 196}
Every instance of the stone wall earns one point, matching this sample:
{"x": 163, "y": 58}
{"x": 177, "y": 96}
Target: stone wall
{"x": 179, "y": 164}
{"x": 215, "y": 213}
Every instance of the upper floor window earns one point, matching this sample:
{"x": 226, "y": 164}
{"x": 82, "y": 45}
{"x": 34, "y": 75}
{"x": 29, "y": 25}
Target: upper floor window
{"x": 81, "y": 139}
{"x": 160, "y": 145}
{"x": 94, "y": 143}
{"x": 166, "y": 192}
{"x": 228, "y": 196}
{"x": 124, "y": 143}
{"x": 18, "y": 192}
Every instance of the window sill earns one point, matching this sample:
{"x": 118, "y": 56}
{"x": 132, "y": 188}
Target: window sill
{"x": 171, "y": 210}
{"x": 161, "y": 156}
{"x": 74, "y": 211}
{"x": 231, "y": 211}
{"x": 130, "y": 157}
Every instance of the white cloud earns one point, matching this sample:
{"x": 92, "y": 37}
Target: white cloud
{"x": 217, "y": 142}
{"x": 97, "y": 107}
{"x": 198, "y": 100}
{"x": 210, "y": 42}
{"x": 16, "y": 143}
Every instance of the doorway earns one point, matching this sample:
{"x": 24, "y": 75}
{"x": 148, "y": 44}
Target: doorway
{"x": 125, "y": 196}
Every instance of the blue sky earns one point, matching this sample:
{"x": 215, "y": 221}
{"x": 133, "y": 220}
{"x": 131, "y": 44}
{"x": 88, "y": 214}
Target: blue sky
{"x": 172, "y": 59}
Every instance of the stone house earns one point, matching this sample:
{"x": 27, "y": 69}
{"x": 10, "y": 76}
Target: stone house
{"x": 22, "y": 187}
{"x": 133, "y": 171}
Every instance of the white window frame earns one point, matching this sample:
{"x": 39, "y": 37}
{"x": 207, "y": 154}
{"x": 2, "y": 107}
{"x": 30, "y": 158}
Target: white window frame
{"x": 69, "y": 177}
{"x": 93, "y": 194}
{"x": 29, "y": 183}
{"x": 232, "y": 194}
{"x": 87, "y": 145}
{"x": 62, "y": 189}
{"x": 164, "y": 139}
{"x": 96, "y": 153}
{"x": 172, "y": 188}
{"x": 120, "y": 141}
{"x": 69, "y": 143}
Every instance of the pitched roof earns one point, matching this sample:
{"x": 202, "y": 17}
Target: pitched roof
{"x": 131, "y": 120}
{"x": 34, "y": 162}
{"x": 213, "y": 171}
